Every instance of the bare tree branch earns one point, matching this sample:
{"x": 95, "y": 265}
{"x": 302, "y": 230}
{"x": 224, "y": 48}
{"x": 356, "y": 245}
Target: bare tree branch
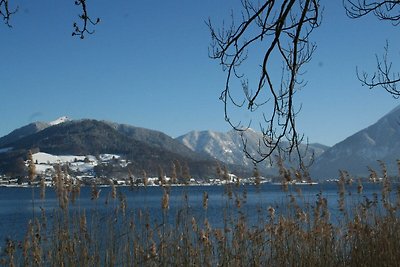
{"x": 87, "y": 21}
{"x": 79, "y": 30}
{"x": 282, "y": 29}
{"x": 384, "y": 10}
{"x": 6, "y": 13}
{"x": 383, "y": 77}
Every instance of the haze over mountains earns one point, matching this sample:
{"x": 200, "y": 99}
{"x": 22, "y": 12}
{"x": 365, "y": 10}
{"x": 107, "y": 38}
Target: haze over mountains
{"x": 200, "y": 150}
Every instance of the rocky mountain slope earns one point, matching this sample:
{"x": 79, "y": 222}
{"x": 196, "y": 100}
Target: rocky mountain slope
{"x": 29, "y": 129}
{"x": 228, "y": 147}
{"x": 155, "y": 139}
{"x": 19, "y": 133}
{"x": 380, "y": 141}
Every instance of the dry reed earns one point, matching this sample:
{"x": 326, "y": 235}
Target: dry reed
{"x": 301, "y": 233}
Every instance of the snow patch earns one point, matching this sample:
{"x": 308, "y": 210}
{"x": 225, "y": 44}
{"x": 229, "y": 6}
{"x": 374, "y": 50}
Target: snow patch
{"x": 368, "y": 140}
{"x": 85, "y": 164}
{"x": 108, "y": 157}
{"x": 45, "y": 158}
{"x": 42, "y": 168}
{"x": 60, "y": 120}
{"x": 82, "y": 167}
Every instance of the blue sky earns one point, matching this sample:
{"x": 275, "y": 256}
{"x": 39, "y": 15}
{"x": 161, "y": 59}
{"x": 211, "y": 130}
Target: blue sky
{"x": 147, "y": 65}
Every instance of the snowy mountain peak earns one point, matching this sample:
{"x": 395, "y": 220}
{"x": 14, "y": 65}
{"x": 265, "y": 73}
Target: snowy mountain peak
{"x": 60, "y": 120}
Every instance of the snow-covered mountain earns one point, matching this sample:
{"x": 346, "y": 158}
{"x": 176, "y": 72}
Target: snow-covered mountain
{"x": 380, "y": 141}
{"x": 228, "y": 147}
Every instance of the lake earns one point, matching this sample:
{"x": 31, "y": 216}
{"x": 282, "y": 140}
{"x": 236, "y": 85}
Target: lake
{"x": 16, "y": 207}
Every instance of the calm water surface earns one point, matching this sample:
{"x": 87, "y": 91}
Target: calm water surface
{"x": 16, "y": 207}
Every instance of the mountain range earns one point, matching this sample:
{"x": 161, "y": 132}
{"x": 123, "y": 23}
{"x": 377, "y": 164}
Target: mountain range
{"x": 146, "y": 149}
{"x": 380, "y": 141}
{"x": 229, "y": 148}
{"x": 202, "y": 151}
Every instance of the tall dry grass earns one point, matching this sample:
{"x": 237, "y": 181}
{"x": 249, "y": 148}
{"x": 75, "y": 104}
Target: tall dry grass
{"x": 301, "y": 232}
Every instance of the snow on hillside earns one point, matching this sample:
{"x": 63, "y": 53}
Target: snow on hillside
{"x": 44, "y": 161}
{"x": 60, "y": 120}
{"x": 45, "y": 158}
{"x": 108, "y": 157}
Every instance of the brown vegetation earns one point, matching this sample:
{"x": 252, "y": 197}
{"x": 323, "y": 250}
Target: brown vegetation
{"x": 303, "y": 233}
